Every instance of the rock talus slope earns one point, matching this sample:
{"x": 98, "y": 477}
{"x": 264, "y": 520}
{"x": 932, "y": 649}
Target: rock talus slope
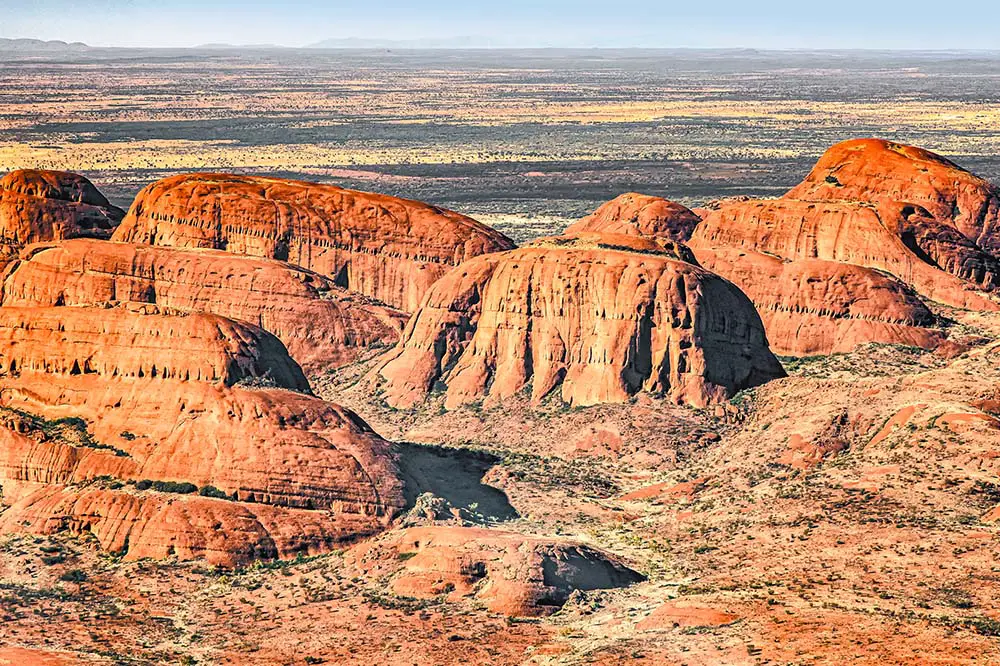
{"x": 509, "y": 572}
{"x": 599, "y": 317}
{"x": 320, "y": 323}
{"x": 388, "y": 248}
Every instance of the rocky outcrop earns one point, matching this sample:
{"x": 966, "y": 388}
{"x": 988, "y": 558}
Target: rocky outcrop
{"x": 879, "y": 171}
{"x": 387, "y": 248}
{"x": 510, "y": 573}
{"x": 98, "y": 400}
{"x": 113, "y": 343}
{"x": 601, "y": 318}
{"x": 149, "y": 524}
{"x": 868, "y": 205}
{"x": 322, "y": 325}
{"x": 811, "y": 306}
{"x": 40, "y": 205}
{"x": 636, "y": 214}
{"x": 853, "y": 233}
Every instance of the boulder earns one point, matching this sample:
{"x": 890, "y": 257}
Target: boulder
{"x": 387, "y": 248}
{"x": 510, "y": 573}
{"x": 598, "y": 317}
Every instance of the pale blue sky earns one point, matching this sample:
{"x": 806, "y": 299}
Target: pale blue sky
{"x": 914, "y": 24}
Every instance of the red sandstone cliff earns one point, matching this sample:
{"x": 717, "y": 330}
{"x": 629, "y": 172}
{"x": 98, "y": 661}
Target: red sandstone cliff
{"x": 388, "y": 248}
{"x": 320, "y": 323}
{"x": 599, "y": 318}
{"x": 194, "y": 399}
{"x": 38, "y": 205}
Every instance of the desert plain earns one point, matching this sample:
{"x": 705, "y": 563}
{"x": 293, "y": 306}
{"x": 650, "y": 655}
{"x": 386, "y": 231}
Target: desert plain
{"x": 759, "y": 433}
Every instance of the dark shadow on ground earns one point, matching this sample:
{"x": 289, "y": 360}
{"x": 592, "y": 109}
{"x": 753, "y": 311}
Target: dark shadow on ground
{"x": 454, "y": 475}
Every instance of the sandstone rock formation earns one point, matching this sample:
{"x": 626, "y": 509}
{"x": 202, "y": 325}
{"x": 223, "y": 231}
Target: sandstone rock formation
{"x": 118, "y": 343}
{"x": 387, "y": 248}
{"x": 636, "y": 214}
{"x": 510, "y": 573}
{"x": 853, "y": 233}
{"x": 192, "y": 401}
{"x": 879, "y": 171}
{"x": 320, "y": 323}
{"x": 38, "y": 205}
{"x": 601, "y": 318}
{"x": 867, "y": 204}
{"x": 811, "y": 306}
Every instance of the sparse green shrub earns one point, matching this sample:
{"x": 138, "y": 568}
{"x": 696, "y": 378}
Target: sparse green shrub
{"x": 179, "y": 487}
{"x": 212, "y": 491}
{"x": 74, "y": 576}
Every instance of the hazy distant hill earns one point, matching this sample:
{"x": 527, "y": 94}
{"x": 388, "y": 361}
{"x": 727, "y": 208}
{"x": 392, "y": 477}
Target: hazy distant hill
{"x": 38, "y": 45}
{"x": 225, "y": 46}
{"x": 421, "y": 43}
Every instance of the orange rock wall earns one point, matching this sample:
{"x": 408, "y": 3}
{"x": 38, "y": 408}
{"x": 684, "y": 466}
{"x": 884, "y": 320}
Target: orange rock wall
{"x": 321, "y": 324}
{"x": 38, "y": 205}
{"x": 599, "y": 324}
{"x": 387, "y": 248}
{"x": 812, "y": 306}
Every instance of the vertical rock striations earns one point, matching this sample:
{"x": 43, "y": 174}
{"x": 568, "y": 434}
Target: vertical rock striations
{"x": 95, "y": 400}
{"x": 599, "y": 318}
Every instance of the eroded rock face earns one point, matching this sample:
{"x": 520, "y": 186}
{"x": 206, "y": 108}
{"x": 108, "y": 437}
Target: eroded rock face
{"x": 599, "y": 318}
{"x": 510, "y": 573}
{"x": 193, "y": 399}
{"x": 636, "y": 214}
{"x": 387, "y": 248}
{"x": 845, "y": 232}
{"x": 187, "y": 527}
{"x": 38, "y": 205}
{"x": 321, "y": 324}
{"x": 879, "y": 171}
{"x": 811, "y": 306}
{"x": 118, "y": 343}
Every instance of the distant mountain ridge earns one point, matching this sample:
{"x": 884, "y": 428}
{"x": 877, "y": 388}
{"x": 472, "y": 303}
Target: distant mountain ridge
{"x": 32, "y": 45}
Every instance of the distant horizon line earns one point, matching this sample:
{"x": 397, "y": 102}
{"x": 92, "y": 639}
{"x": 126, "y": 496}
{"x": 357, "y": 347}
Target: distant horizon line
{"x": 365, "y": 44}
